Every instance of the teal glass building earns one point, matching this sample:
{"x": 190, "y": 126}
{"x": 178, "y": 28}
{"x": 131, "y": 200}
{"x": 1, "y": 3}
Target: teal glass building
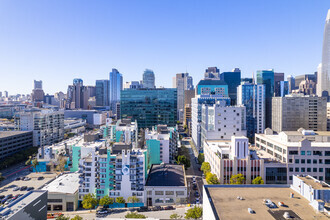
{"x": 149, "y": 107}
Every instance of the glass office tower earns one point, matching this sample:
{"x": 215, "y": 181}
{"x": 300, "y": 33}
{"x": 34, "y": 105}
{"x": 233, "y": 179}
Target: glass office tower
{"x": 149, "y": 107}
{"x": 233, "y": 80}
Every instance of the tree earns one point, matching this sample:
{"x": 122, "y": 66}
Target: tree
{"x": 89, "y": 201}
{"x": 120, "y": 200}
{"x": 134, "y": 215}
{"x": 35, "y": 163}
{"x": 1, "y": 177}
{"x": 258, "y": 180}
{"x": 133, "y": 199}
{"x": 212, "y": 178}
{"x": 106, "y": 200}
{"x": 62, "y": 217}
{"x": 206, "y": 168}
{"x": 175, "y": 216}
{"x": 200, "y": 158}
{"x": 61, "y": 164}
{"x": 237, "y": 179}
{"x": 182, "y": 159}
{"x": 194, "y": 213}
{"x": 77, "y": 217}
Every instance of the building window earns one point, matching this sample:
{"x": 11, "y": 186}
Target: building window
{"x": 321, "y": 178}
{"x": 326, "y": 153}
{"x": 158, "y": 193}
{"x": 327, "y": 161}
{"x": 303, "y": 169}
{"x": 54, "y": 200}
{"x": 309, "y": 153}
{"x": 320, "y": 161}
{"x": 57, "y": 207}
{"x": 302, "y": 153}
{"x": 179, "y": 193}
{"x": 296, "y": 161}
{"x": 321, "y": 170}
{"x": 290, "y": 160}
{"x": 296, "y": 169}
{"x": 314, "y": 169}
{"x": 290, "y": 177}
{"x": 314, "y": 161}
{"x": 293, "y": 152}
{"x": 290, "y": 169}
{"x": 309, "y": 161}
{"x": 302, "y": 160}
{"x": 149, "y": 193}
{"x": 309, "y": 170}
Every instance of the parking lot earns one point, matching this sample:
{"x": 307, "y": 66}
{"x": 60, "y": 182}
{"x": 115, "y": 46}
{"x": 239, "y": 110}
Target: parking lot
{"x": 33, "y": 182}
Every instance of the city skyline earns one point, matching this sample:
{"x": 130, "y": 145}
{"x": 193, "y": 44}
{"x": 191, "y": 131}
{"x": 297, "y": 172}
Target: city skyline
{"x": 57, "y": 42}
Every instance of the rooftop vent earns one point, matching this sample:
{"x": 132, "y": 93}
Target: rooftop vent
{"x": 286, "y": 215}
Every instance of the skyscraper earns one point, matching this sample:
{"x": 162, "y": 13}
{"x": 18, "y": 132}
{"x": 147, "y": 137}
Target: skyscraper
{"x": 102, "y": 92}
{"x": 148, "y": 80}
{"x": 233, "y": 79}
{"x": 37, "y": 84}
{"x": 115, "y": 86}
{"x": 278, "y": 77}
{"x": 37, "y": 93}
{"x": 266, "y": 77}
{"x": 323, "y": 84}
{"x": 252, "y": 96}
{"x": 77, "y": 95}
{"x": 291, "y": 83}
{"x": 182, "y": 82}
{"x": 212, "y": 73}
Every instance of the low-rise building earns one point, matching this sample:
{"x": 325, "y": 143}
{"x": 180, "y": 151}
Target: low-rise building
{"x": 255, "y": 202}
{"x": 231, "y": 157}
{"x": 124, "y": 130}
{"x": 166, "y": 185}
{"x": 32, "y": 205}
{"x": 63, "y": 193}
{"x": 296, "y": 152}
{"x": 12, "y": 142}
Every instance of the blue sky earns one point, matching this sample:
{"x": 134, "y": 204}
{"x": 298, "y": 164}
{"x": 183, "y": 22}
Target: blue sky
{"x": 56, "y": 41}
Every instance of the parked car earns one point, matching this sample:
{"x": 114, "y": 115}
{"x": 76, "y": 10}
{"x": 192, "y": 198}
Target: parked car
{"x": 30, "y": 188}
{"x": 41, "y": 178}
{"x": 143, "y": 209}
{"x": 169, "y": 207}
{"x": 27, "y": 178}
{"x": 23, "y": 188}
{"x": 156, "y": 208}
{"x": 2, "y": 196}
{"x": 197, "y": 200}
{"x": 196, "y": 194}
{"x": 18, "y": 178}
{"x": 194, "y": 186}
{"x": 102, "y": 212}
{"x": 16, "y": 188}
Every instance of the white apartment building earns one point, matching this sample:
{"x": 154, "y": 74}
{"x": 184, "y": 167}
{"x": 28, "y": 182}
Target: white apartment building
{"x": 297, "y": 152}
{"x": 47, "y": 125}
{"x": 231, "y": 157}
{"x": 166, "y": 138}
{"x": 124, "y": 130}
{"x": 222, "y": 122}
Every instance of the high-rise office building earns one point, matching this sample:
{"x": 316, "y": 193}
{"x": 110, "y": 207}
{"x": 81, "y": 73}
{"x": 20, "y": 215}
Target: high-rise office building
{"x": 148, "y": 80}
{"x": 323, "y": 84}
{"x": 252, "y": 96}
{"x": 266, "y": 77}
{"x": 278, "y": 77}
{"x": 182, "y": 82}
{"x": 116, "y": 85}
{"x": 102, "y": 92}
{"x": 37, "y": 93}
{"x": 233, "y": 80}
{"x": 149, "y": 107}
{"x": 284, "y": 88}
{"x": 212, "y": 73}
{"x": 77, "y": 95}
{"x": 133, "y": 85}
{"x": 296, "y": 111}
{"x": 291, "y": 83}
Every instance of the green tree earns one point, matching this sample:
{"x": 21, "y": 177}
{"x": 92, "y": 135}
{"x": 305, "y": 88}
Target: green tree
{"x": 133, "y": 199}
{"x": 77, "y": 217}
{"x": 258, "y": 180}
{"x": 106, "y": 200}
{"x": 120, "y": 200}
{"x": 194, "y": 213}
{"x": 134, "y": 215}
{"x": 1, "y": 177}
{"x": 200, "y": 158}
{"x": 35, "y": 163}
{"x": 212, "y": 178}
{"x": 61, "y": 163}
{"x": 206, "y": 168}
{"x": 175, "y": 216}
{"x": 89, "y": 201}
{"x": 182, "y": 159}
{"x": 237, "y": 179}
{"x": 62, "y": 217}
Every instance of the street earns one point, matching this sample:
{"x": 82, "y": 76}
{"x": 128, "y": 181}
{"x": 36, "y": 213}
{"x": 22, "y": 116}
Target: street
{"x": 192, "y": 171}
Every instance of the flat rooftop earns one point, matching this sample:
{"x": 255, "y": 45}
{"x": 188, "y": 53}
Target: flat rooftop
{"x": 316, "y": 184}
{"x": 4, "y": 134}
{"x": 166, "y": 175}
{"x": 67, "y": 183}
{"x": 227, "y": 206}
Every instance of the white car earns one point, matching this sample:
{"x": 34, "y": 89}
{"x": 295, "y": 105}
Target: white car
{"x": 16, "y": 188}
